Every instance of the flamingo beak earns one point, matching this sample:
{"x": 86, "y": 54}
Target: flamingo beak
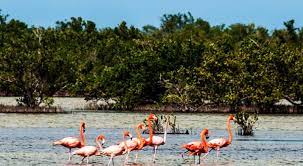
{"x": 103, "y": 141}
{"x": 130, "y": 136}
{"x": 83, "y": 130}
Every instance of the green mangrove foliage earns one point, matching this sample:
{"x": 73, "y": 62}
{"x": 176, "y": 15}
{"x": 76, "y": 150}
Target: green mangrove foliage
{"x": 184, "y": 62}
{"x": 181, "y": 90}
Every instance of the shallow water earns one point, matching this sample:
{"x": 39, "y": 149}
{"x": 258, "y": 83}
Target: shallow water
{"x": 26, "y": 139}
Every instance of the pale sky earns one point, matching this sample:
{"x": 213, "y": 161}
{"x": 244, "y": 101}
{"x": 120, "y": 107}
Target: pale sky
{"x": 267, "y": 13}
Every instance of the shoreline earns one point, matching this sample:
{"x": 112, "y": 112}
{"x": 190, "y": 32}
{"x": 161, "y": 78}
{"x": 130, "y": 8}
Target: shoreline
{"x": 59, "y": 110}
{"x": 25, "y": 110}
{"x": 78, "y": 104}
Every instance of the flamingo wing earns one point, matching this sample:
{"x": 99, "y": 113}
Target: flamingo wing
{"x": 131, "y": 144}
{"x": 192, "y": 146}
{"x": 139, "y": 146}
{"x": 217, "y": 143}
{"x": 137, "y": 140}
{"x": 195, "y": 148}
{"x": 69, "y": 142}
{"x": 156, "y": 140}
{"x": 86, "y": 151}
{"x": 112, "y": 150}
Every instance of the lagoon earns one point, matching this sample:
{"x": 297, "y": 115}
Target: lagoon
{"x": 26, "y": 139}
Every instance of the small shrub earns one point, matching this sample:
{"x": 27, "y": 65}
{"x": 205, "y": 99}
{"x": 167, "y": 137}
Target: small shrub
{"x": 246, "y": 122}
{"x": 48, "y": 101}
{"x": 159, "y": 126}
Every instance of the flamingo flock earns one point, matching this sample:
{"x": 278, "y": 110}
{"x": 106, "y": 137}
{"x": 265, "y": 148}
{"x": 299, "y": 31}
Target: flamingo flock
{"x": 126, "y": 146}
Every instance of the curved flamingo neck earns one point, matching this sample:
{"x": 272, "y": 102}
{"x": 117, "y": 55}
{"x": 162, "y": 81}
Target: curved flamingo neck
{"x": 139, "y": 137}
{"x": 99, "y": 146}
{"x": 82, "y": 137}
{"x": 138, "y": 133}
{"x": 203, "y": 140}
{"x": 150, "y": 131}
{"x": 230, "y": 135}
{"x": 124, "y": 140}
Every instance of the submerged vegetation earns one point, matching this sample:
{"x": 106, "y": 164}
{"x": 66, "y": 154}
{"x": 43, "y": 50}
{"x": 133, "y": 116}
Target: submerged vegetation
{"x": 186, "y": 63}
{"x": 159, "y": 125}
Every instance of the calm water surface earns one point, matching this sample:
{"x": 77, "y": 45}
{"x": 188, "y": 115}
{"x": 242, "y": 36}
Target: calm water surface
{"x": 26, "y": 139}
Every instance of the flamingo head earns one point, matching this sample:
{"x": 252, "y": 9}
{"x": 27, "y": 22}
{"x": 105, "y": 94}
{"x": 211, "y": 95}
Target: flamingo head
{"x": 205, "y": 132}
{"x": 101, "y": 138}
{"x": 153, "y": 117}
{"x": 82, "y": 126}
{"x": 231, "y": 117}
{"x": 141, "y": 126}
{"x": 127, "y": 134}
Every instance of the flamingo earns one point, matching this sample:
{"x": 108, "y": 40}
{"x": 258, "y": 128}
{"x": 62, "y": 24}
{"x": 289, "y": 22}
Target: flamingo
{"x": 135, "y": 143}
{"x": 87, "y": 151}
{"x": 155, "y": 141}
{"x": 73, "y": 142}
{"x": 196, "y": 148}
{"x": 218, "y": 143}
{"x": 116, "y": 150}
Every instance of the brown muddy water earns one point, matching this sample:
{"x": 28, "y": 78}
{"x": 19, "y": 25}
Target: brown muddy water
{"x": 26, "y": 139}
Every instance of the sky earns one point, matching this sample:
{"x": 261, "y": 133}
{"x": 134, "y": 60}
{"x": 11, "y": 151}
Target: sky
{"x": 268, "y": 13}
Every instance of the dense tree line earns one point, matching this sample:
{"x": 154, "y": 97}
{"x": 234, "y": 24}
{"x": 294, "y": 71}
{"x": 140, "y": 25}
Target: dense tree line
{"x": 185, "y": 62}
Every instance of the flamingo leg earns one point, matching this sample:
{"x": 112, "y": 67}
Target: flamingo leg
{"x": 205, "y": 155}
{"x": 69, "y": 154}
{"x": 155, "y": 152}
{"x": 136, "y": 157}
{"x": 218, "y": 151}
{"x": 87, "y": 160}
{"x": 82, "y": 159}
{"x": 195, "y": 159}
{"x": 199, "y": 159}
{"x": 182, "y": 155}
{"x": 126, "y": 157}
{"x": 111, "y": 160}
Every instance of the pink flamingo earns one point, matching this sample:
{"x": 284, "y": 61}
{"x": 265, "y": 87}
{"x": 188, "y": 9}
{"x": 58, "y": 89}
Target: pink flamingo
{"x": 222, "y": 142}
{"x": 116, "y": 150}
{"x": 196, "y": 148}
{"x": 87, "y": 151}
{"x": 155, "y": 141}
{"x": 135, "y": 143}
{"x": 73, "y": 142}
